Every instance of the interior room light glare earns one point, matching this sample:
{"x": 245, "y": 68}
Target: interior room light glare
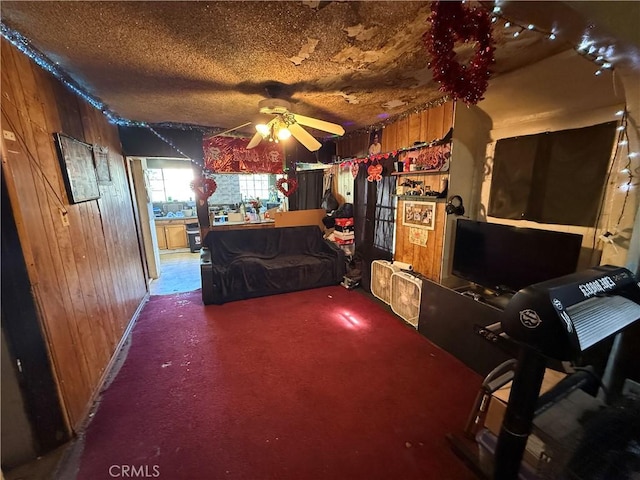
{"x": 620, "y": 128}
{"x": 622, "y": 143}
{"x": 633, "y": 155}
{"x": 262, "y": 129}
{"x": 619, "y": 113}
{"x": 625, "y": 170}
{"x": 585, "y": 42}
{"x": 284, "y": 133}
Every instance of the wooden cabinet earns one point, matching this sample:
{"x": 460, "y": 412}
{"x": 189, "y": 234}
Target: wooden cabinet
{"x": 172, "y": 234}
{"x": 176, "y": 236}
{"x": 162, "y": 238}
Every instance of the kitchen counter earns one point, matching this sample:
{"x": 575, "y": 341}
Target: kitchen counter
{"x": 241, "y": 225}
{"x": 175, "y": 220}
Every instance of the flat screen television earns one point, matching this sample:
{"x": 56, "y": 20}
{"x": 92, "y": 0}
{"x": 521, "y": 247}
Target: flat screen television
{"x": 504, "y": 258}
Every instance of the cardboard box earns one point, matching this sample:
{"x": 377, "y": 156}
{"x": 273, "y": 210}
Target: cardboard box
{"x": 499, "y": 399}
{"x": 498, "y": 407}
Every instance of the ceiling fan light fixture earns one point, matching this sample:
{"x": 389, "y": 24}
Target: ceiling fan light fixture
{"x": 284, "y": 133}
{"x": 286, "y": 125}
{"x": 262, "y": 129}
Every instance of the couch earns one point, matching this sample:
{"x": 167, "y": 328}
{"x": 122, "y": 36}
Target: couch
{"x": 240, "y": 264}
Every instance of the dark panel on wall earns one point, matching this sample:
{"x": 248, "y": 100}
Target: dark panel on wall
{"x": 142, "y": 142}
{"x": 555, "y": 177}
{"x": 327, "y": 152}
{"x": 26, "y": 341}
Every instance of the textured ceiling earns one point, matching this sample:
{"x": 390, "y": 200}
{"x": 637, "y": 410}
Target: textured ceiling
{"x": 210, "y": 63}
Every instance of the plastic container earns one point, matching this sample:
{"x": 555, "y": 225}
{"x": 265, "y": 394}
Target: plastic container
{"x": 193, "y": 232}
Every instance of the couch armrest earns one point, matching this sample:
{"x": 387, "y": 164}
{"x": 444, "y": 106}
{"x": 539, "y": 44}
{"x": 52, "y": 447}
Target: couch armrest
{"x": 206, "y": 276}
{"x": 341, "y": 267}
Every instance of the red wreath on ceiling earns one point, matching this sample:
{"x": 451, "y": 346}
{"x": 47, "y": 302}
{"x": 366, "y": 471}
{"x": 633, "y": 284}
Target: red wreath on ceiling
{"x": 203, "y": 187}
{"x": 292, "y": 185}
{"x": 453, "y": 22}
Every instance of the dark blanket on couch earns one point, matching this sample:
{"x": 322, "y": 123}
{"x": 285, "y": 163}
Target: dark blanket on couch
{"x": 256, "y": 262}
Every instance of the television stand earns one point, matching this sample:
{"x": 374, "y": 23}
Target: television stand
{"x": 498, "y": 301}
{"x": 451, "y": 318}
{"x": 496, "y": 298}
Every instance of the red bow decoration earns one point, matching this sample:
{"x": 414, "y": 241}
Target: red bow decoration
{"x": 354, "y": 169}
{"x": 292, "y": 185}
{"x": 204, "y": 187}
{"x": 375, "y": 173}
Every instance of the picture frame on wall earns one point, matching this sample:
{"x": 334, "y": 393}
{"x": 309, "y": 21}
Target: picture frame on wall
{"x": 419, "y": 214}
{"x": 101, "y": 161}
{"x": 78, "y": 169}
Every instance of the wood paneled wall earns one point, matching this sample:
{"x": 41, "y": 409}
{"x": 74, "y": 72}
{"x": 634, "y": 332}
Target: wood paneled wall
{"x": 424, "y": 126}
{"x": 84, "y": 261}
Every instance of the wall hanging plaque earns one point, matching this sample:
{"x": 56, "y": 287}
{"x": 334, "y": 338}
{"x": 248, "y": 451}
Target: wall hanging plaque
{"x": 78, "y": 171}
{"x": 419, "y": 214}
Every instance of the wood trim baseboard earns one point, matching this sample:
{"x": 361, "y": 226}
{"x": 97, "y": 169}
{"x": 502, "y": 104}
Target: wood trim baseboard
{"x": 92, "y": 403}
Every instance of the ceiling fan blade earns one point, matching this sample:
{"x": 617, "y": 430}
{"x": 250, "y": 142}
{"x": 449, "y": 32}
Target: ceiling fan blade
{"x": 304, "y": 137}
{"x": 319, "y": 124}
{"x": 255, "y": 140}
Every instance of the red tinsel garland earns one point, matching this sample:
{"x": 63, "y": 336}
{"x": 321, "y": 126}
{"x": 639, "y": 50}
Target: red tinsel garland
{"x": 452, "y": 22}
{"x": 292, "y": 185}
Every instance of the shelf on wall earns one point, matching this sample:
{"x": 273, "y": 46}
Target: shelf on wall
{"x": 420, "y": 172}
{"x": 422, "y": 198}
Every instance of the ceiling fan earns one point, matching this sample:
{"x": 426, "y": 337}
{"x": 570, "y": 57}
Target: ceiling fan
{"x": 286, "y": 124}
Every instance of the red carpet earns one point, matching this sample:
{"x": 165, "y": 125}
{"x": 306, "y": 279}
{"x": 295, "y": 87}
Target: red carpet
{"x": 319, "y": 384}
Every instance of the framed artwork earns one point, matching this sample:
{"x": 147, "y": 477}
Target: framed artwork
{"x": 419, "y": 214}
{"x": 101, "y": 161}
{"x": 78, "y": 171}
{"x": 375, "y": 147}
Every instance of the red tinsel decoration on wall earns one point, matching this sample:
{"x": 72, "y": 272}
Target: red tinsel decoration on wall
{"x": 203, "y": 187}
{"x": 453, "y": 22}
{"x": 291, "y": 183}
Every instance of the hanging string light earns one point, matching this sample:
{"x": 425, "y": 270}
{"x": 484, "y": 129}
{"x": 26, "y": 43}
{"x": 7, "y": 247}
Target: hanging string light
{"x": 622, "y": 149}
{"x": 601, "y": 55}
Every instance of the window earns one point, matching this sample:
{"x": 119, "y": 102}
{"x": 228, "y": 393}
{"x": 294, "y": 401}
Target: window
{"x": 169, "y": 184}
{"x": 254, "y": 186}
{"x": 384, "y": 215}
